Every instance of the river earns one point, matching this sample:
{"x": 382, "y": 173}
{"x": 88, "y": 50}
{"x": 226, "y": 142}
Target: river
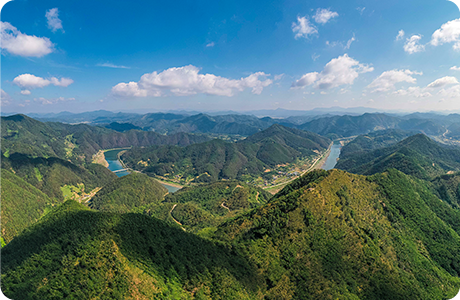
{"x": 111, "y": 157}
{"x": 331, "y": 160}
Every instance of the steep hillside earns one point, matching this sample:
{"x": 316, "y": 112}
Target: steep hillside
{"x": 417, "y": 155}
{"x": 218, "y": 159}
{"x": 128, "y": 193}
{"x": 78, "y": 254}
{"x": 448, "y": 188}
{"x": 374, "y": 140}
{"x": 334, "y": 235}
{"x": 52, "y": 174}
{"x": 22, "y": 205}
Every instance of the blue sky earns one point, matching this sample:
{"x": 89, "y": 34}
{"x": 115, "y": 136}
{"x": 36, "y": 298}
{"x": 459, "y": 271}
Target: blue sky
{"x": 229, "y": 55}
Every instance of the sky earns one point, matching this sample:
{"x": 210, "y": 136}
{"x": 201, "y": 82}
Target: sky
{"x": 144, "y": 56}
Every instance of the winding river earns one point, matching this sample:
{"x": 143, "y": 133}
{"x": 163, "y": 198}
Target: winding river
{"x": 115, "y": 165}
{"x": 331, "y": 160}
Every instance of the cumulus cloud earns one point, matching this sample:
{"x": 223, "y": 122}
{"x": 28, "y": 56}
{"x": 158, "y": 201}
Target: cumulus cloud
{"x": 25, "y": 92}
{"x": 5, "y": 99}
{"x": 54, "y": 23}
{"x": 339, "y": 71}
{"x": 452, "y": 92}
{"x": 110, "y": 65}
{"x": 400, "y": 35}
{"x": 442, "y": 82}
{"x": 29, "y": 81}
{"x": 412, "y": 44}
{"x": 323, "y": 15}
{"x": 186, "y": 81}
{"x": 17, "y": 43}
{"x": 455, "y": 68}
{"x": 413, "y": 91}
{"x": 387, "y": 80}
{"x": 448, "y": 33}
{"x": 211, "y": 44}
{"x": 303, "y": 28}
{"x": 47, "y": 101}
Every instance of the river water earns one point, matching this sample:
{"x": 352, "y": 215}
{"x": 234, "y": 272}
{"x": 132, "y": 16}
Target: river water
{"x": 331, "y": 160}
{"x": 111, "y": 157}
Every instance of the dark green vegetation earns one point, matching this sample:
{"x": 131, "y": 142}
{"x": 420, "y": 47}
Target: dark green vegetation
{"x": 374, "y": 140}
{"x": 334, "y": 235}
{"x": 447, "y": 188}
{"x": 50, "y": 174}
{"x": 417, "y": 155}
{"x": 22, "y": 205}
{"x": 77, "y": 143}
{"x": 195, "y": 208}
{"x": 128, "y": 193}
{"x": 208, "y": 205}
{"x": 217, "y": 159}
{"x": 73, "y": 253}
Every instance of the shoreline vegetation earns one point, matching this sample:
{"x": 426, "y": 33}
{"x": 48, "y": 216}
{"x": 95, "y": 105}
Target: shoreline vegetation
{"x": 99, "y": 158}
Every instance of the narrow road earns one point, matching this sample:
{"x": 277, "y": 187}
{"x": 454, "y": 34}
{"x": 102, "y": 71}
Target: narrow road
{"x": 225, "y": 206}
{"x": 170, "y": 213}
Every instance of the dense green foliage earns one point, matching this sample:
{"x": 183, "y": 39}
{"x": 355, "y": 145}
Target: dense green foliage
{"x": 374, "y": 140}
{"x": 208, "y": 205}
{"x": 50, "y": 174}
{"x": 78, "y": 143}
{"x": 128, "y": 193}
{"x": 22, "y": 205}
{"x": 341, "y": 236}
{"x": 78, "y": 254}
{"x": 217, "y": 159}
{"x": 417, "y": 155}
{"x": 447, "y": 188}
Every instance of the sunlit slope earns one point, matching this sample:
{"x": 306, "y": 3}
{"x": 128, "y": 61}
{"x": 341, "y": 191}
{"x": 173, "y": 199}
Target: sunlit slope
{"x": 336, "y": 235}
{"x": 22, "y": 205}
{"x": 79, "y": 254}
{"x": 128, "y": 193}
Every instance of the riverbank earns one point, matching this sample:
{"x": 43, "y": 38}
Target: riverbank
{"x": 99, "y": 158}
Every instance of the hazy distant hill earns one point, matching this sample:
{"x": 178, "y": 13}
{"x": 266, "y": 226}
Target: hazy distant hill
{"x": 218, "y": 159}
{"x": 417, "y": 155}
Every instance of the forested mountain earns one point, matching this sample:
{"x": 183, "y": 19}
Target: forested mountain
{"x": 329, "y": 234}
{"x": 374, "y": 140}
{"x": 50, "y": 174}
{"x": 78, "y": 143}
{"x": 335, "y": 235}
{"x": 128, "y": 193}
{"x": 74, "y": 253}
{"x": 22, "y": 205}
{"x": 417, "y": 155}
{"x": 447, "y": 188}
{"x": 218, "y": 159}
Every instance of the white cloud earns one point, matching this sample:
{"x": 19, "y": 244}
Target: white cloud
{"x": 349, "y": 42}
{"x": 361, "y": 10}
{"x": 323, "y": 15}
{"x": 452, "y": 92}
{"x": 315, "y": 56}
{"x": 25, "y": 92}
{"x": 29, "y": 81}
{"x": 412, "y": 45}
{"x": 400, "y": 35}
{"x": 448, "y": 33}
{"x": 458, "y": 3}
{"x": 5, "y": 99}
{"x": 110, "y": 65}
{"x": 21, "y": 44}
{"x": 278, "y": 77}
{"x": 54, "y": 23}
{"x": 442, "y": 82}
{"x": 47, "y": 101}
{"x": 186, "y": 81}
{"x": 387, "y": 80}
{"x": 339, "y": 71}
{"x": 303, "y": 28}
{"x": 212, "y": 44}
{"x": 455, "y": 68}
{"x": 413, "y": 91}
